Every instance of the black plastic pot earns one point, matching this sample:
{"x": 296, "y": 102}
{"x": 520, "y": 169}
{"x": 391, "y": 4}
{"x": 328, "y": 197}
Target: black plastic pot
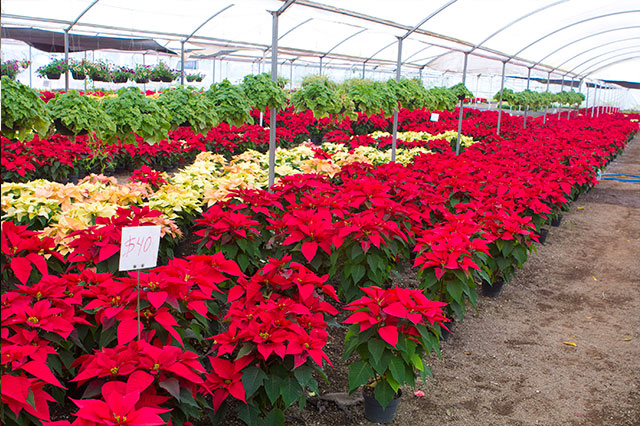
{"x": 374, "y": 412}
{"x": 444, "y": 333}
{"x": 78, "y": 75}
{"x": 142, "y": 80}
{"x": 120, "y": 79}
{"x": 316, "y": 140}
{"x": 556, "y": 221}
{"x": 52, "y": 76}
{"x": 492, "y": 290}
{"x": 544, "y": 232}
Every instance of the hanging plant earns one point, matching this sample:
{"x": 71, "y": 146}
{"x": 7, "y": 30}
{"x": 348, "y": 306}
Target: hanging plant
{"x": 22, "y": 111}
{"x": 231, "y": 103}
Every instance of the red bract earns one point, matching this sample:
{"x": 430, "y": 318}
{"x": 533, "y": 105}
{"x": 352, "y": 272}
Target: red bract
{"x": 146, "y": 175}
{"x": 15, "y": 391}
{"x": 225, "y": 226}
{"x": 225, "y": 379}
{"x": 98, "y": 243}
{"x": 23, "y": 249}
{"x": 120, "y": 407}
{"x": 385, "y": 309}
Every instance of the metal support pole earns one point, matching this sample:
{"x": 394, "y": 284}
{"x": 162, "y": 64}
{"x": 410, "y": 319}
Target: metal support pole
{"x": 364, "y": 64}
{"x": 66, "y": 60}
{"x": 586, "y": 102}
{"x": 394, "y": 139}
{"x": 30, "y": 69}
{"x": 526, "y": 111}
{"x": 213, "y": 70}
{"x": 320, "y": 71}
{"x": 464, "y": 80}
{"x": 291, "y": 76}
{"x": 561, "y": 90}
{"x": 272, "y": 115}
{"x": 182, "y": 63}
{"x": 546, "y": 107}
{"x": 504, "y": 67}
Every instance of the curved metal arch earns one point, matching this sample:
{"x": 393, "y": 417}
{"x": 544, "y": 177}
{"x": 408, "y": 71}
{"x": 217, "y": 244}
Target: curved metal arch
{"x": 601, "y": 55}
{"x": 380, "y": 50}
{"x": 613, "y": 63}
{"x": 515, "y": 22}
{"x": 295, "y": 27}
{"x": 342, "y": 41}
{"x": 207, "y": 21}
{"x": 431, "y": 15}
{"x": 81, "y": 15}
{"x": 415, "y": 53}
{"x": 607, "y": 59}
{"x": 584, "y": 38}
{"x": 622, "y": 12}
{"x": 593, "y": 48}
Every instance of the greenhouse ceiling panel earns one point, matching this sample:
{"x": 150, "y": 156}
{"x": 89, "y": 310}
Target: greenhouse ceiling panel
{"x": 573, "y": 38}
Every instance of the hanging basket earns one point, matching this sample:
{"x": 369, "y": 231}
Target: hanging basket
{"x": 78, "y": 75}
{"x": 52, "y": 76}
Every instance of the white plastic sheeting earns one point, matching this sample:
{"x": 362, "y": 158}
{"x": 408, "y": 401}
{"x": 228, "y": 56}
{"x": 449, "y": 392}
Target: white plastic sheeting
{"x": 572, "y": 38}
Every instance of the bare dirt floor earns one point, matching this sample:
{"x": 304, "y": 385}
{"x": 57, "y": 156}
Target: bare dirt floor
{"x": 512, "y": 361}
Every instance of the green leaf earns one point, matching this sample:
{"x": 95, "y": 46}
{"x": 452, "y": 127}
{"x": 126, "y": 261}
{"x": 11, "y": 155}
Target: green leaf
{"x": 396, "y": 367}
{"x": 416, "y": 361}
{"x": 249, "y": 414}
{"x": 275, "y": 417}
{"x": 303, "y": 374}
{"x": 384, "y": 394}
{"x": 252, "y": 379}
{"x": 290, "y": 391}
{"x": 272, "y": 385}
{"x": 376, "y": 348}
{"x": 172, "y": 386}
{"x": 454, "y": 288}
{"x": 359, "y": 374}
{"x": 357, "y": 272}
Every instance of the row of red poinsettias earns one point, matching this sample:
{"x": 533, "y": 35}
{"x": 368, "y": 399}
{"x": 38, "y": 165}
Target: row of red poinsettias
{"x": 245, "y": 319}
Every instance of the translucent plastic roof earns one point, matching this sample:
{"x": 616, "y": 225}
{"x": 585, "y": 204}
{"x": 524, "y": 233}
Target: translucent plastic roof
{"x": 574, "y": 38}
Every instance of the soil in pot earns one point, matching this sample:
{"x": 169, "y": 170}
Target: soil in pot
{"x": 492, "y": 290}
{"x": 374, "y": 412}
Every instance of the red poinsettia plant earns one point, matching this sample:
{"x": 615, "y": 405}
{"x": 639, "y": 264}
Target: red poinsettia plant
{"x": 391, "y": 331}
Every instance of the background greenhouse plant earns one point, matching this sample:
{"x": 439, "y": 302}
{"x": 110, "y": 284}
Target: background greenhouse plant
{"x": 76, "y": 114}
{"x": 231, "y": 103}
{"x": 189, "y": 108}
{"x": 23, "y": 112}
{"x": 132, "y": 112}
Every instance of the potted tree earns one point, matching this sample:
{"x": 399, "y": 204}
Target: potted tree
{"x": 390, "y": 331}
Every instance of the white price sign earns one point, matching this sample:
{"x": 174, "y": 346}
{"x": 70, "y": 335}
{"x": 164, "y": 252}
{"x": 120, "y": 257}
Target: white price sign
{"x": 139, "y": 247}
{"x": 435, "y": 116}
